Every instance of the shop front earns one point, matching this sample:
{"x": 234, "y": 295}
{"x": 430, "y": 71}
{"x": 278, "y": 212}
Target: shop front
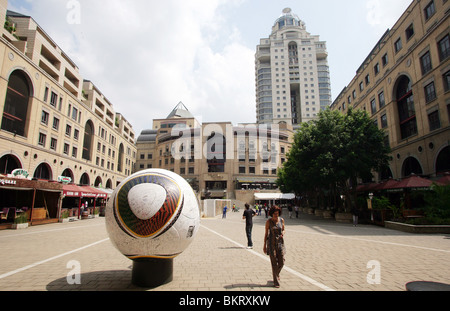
{"x": 82, "y": 201}
{"x": 280, "y": 199}
{"x": 37, "y": 202}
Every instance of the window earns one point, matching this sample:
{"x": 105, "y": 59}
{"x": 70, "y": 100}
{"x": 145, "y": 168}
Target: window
{"x": 398, "y": 45}
{"x": 66, "y": 149}
{"x": 76, "y": 134}
{"x": 241, "y": 169}
{"x": 44, "y": 117}
{"x": 433, "y": 120}
{"x": 384, "y": 60}
{"x": 409, "y": 32}
{"x": 376, "y": 68}
{"x": 42, "y": 138}
{"x": 384, "y": 122}
{"x": 446, "y": 79}
{"x": 367, "y": 79}
{"x": 53, "y": 99}
{"x": 74, "y": 113}
{"x": 430, "y": 92}
{"x": 56, "y": 123}
{"x": 406, "y": 109}
{"x": 46, "y": 94}
{"x": 74, "y": 152}
{"x": 373, "y": 106}
{"x": 425, "y": 63}
{"x": 142, "y": 156}
{"x": 429, "y": 10}
{"x": 381, "y": 100}
{"x": 361, "y": 86}
{"x": 68, "y": 130}
{"x": 444, "y": 48}
{"x": 53, "y": 144}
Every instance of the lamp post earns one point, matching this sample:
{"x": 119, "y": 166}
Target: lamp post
{"x": 369, "y": 204}
{"x": 343, "y": 202}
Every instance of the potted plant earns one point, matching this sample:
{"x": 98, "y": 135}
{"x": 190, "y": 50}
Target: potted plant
{"x": 21, "y": 221}
{"x": 64, "y": 215}
{"x": 382, "y": 210}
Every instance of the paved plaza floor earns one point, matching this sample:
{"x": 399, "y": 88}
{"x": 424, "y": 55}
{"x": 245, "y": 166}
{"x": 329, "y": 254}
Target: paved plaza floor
{"x": 322, "y": 255}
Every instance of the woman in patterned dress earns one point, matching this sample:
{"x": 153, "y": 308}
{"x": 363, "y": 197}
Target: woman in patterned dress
{"x": 274, "y": 243}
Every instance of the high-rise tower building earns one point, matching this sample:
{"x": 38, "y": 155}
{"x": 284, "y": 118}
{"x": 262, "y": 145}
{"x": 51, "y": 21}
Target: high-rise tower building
{"x": 292, "y": 73}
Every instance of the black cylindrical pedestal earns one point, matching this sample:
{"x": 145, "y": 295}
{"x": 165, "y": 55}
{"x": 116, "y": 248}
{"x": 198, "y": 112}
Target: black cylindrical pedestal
{"x": 152, "y": 272}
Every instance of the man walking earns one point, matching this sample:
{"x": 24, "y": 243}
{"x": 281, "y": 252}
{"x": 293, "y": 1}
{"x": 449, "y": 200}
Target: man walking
{"x": 248, "y": 216}
{"x": 224, "y": 214}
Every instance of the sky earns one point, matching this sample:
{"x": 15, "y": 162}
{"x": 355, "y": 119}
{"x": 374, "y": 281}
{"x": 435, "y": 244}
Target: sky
{"x": 146, "y": 56}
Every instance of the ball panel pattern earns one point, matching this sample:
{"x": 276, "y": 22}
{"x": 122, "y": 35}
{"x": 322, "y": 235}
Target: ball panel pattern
{"x": 148, "y": 228}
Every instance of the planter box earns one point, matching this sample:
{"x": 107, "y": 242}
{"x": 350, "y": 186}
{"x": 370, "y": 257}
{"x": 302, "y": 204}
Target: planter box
{"x": 344, "y": 217}
{"x": 19, "y": 226}
{"x": 39, "y": 213}
{"x": 327, "y": 214}
{"x": 417, "y": 228}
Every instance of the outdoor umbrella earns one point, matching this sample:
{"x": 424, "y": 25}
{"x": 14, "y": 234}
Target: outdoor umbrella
{"x": 388, "y": 184}
{"x": 445, "y": 180}
{"x": 413, "y": 181}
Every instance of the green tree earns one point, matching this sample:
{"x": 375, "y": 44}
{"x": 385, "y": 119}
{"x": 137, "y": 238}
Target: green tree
{"x": 332, "y": 152}
{"x": 437, "y": 202}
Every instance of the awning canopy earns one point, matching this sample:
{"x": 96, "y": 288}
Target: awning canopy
{"x": 74, "y": 191}
{"x": 274, "y": 196}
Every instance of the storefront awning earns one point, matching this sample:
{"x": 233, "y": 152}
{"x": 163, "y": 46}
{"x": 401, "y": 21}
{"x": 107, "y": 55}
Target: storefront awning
{"x": 74, "y": 191}
{"x": 274, "y": 196}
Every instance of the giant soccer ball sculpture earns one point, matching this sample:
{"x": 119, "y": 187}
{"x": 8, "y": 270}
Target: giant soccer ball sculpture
{"x": 151, "y": 218}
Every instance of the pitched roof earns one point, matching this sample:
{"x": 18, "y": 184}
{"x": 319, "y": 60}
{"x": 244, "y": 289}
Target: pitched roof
{"x": 180, "y": 111}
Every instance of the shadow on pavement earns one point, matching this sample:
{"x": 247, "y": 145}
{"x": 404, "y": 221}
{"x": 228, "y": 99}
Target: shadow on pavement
{"x": 115, "y": 280}
{"x": 249, "y": 286}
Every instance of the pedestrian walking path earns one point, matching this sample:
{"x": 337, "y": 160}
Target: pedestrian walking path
{"x": 322, "y": 255}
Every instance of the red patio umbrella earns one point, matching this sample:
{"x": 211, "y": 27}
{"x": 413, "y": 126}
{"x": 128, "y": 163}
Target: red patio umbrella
{"x": 413, "y": 181}
{"x": 445, "y": 180}
{"x": 388, "y": 184}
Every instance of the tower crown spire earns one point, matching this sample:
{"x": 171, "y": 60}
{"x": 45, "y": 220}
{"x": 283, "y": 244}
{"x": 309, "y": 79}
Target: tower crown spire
{"x": 288, "y": 19}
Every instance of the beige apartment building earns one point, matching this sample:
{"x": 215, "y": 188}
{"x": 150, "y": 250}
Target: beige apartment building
{"x": 219, "y": 160}
{"x": 404, "y": 84}
{"x": 53, "y": 122}
{"x": 292, "y": 74}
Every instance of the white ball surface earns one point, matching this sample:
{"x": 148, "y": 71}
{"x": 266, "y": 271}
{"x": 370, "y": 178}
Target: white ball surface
{"x": 145, "y": 200}
{"x": 153, "y": 214}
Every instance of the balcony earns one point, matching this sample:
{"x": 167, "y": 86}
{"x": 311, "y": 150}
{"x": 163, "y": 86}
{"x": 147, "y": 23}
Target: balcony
{"x": 321, "y": 53}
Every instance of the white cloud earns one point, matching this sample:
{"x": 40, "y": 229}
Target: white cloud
{"x": 146, "y": 56}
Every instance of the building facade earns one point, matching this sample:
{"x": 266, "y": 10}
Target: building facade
{"x": 53, "y": 122}
{"x": 292, "y": 74}
{"x": 219, "y": 160}
{"x": 404, "y": 85}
